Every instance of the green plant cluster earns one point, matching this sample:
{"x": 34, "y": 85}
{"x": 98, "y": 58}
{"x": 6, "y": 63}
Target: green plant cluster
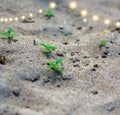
{"x": 49, "y": 13}
{"x": 9, "y": 35}
{"x": 55, "y": 65}
{"x": 48, "y": 47}
{"x": 102, "y": 43}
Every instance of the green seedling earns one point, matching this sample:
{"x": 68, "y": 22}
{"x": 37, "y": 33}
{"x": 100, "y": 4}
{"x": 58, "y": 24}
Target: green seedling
{"x": 48, "y": 47}
{"x": 34, "y": 42}
{"x": 55, "y": 65}
{"x": 102, "y": 43}
{"x": 9, "y": 35}
{"x": 49, "y": 13}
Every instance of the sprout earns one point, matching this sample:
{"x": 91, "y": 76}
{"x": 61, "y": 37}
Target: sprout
{"x": 55, "y": 65}
{"x": 9, "y": 35}
{"x": 49, "y": 13}
{"x": 102, "y": 43}
{"x": 48, "y": 47}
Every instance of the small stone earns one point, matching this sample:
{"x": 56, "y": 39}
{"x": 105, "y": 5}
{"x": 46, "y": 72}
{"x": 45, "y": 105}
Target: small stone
{"x": 65, "y": 43}
{"x": 76, "y": 65}
{"x": 96, "y": 65}
{"x": 76, "y": 59}
{"x": 58, "y": 85}
{"x": 60, "y": 54}
{"x": 111, "y": 41}
{"x": 107, "y": 47}
{"x": 104, "y": 56}
{"x": 72, "y": 53}
{"x": 61, "y": 27}
{"x": 94, "y": 91}
{"x": 16, "y": 92}
{"x": 79, "y": 28}
{"x": 2, "y": 59}
{"x": 106, "y": 52}
{"x": 42, "y": 63}
{"x": 86, "y": 57}
{"x": 93, "y": 69}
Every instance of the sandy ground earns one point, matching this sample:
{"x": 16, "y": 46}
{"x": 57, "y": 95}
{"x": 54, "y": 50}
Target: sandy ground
{"x": 90, "y": 84}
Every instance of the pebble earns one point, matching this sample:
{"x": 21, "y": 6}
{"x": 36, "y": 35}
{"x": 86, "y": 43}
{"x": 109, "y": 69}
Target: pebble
{"x": 93, "y": 69}
{"x": 76, "y": 65}
{"x": 65, "y": 43}
{"x": 72, "y": 53}
{"x": 104, "y": 56}
{"x": 76, "y": 59}
{"x": 96, "y": 65}
{"x": 16, "y": 92}
{"x": 106, "y": 52}
{"x": 94, "y": 91}
{"x": 79, "y": 28}
{"x": 60, "y": 54}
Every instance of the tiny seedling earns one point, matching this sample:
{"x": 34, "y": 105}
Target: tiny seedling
{"x": 102, "y": 43}
{"x": 49, "y": 13}
{"x": 9, "y": 35}
{"x": 55, "y": 65}
{"x": 48, "y": 47}
{"x": 34, "y": 42}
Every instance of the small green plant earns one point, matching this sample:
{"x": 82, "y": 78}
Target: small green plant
{"x": 34, "y": 42}
{"x": 55, "y": 65}
{"x": 49, "y": 13}
{"x": 48, "y": 47}
{"x": 102, "y": 43}
{"x": 9, "y": 35}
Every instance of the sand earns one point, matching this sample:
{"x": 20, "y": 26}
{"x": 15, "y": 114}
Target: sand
{"x": 90, "y": 81}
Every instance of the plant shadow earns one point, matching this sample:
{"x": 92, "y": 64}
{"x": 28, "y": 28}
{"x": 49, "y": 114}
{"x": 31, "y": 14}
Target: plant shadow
{"x": 53, "y": 77}
{"x": 9, "y": 40}
{"x": 48, "y": 55}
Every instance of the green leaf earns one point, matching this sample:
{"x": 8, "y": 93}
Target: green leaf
{"x": 53, "y": 47}
{"x": 9, "y": 33}
{"x": 12, "y": 35}
{"x": 47, "y": 50}
{"x": 48, "y": 47}
{"x": 102, "y": 43}
{"x": 58, "y": 61}
{"x": 51, "y": 65}
{"x": 42, "y": 44}
{"x": 54, "y": 65}
{"x": 9, "y": 30}
{"x": 59, "y": 69}
{"x": 4, "y": 33}
{"x": 49, "y": 13}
